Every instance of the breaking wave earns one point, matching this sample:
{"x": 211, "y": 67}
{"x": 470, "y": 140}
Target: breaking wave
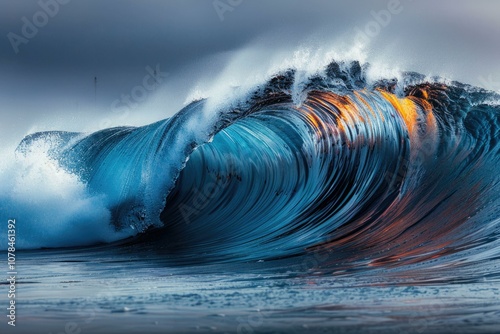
{"x": 374, "y": 173}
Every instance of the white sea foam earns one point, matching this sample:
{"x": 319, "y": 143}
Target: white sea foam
{"x": 52, "y": 207}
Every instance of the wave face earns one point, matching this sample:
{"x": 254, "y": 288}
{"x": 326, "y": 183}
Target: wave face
{"x": 373, "y": 173}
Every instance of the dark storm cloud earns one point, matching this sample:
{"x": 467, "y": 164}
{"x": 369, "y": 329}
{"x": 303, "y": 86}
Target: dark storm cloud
{"x": 115, "y": 34}
{"x": 116, "y": 39}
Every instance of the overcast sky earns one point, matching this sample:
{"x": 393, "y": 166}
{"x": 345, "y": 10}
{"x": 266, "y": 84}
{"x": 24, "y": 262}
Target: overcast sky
{"x": 49, "y": 82}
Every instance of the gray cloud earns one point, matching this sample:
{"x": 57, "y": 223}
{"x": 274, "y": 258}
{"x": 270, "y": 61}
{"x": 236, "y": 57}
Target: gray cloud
{"x": 51, "y": 77}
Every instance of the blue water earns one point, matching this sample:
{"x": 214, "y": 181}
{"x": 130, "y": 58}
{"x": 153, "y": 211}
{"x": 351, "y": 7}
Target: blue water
{"x": 364, "y": 206}
{"x": 113, "y": 291}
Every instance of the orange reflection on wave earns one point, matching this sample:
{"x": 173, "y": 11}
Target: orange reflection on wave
{"x": 405, "y": 107}
{"x": 343, "y": 109}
